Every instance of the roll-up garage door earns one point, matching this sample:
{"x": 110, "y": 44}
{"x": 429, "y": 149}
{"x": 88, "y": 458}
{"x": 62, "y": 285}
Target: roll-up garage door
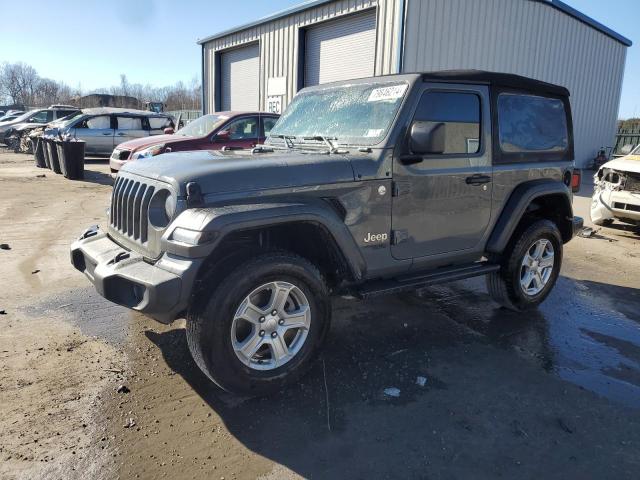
{"x": 341, "y": 49}
{"x": 240, "y": 78}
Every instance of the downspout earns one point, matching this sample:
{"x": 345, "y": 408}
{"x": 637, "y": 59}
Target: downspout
{"x": 202, "y": 86}
{"x": 402, "y": 15}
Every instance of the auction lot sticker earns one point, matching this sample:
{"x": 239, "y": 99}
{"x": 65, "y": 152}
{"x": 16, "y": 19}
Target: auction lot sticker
{"x": 387, "y": 93}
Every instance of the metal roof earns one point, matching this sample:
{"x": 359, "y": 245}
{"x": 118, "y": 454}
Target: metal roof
{"x": 557, "y": 4}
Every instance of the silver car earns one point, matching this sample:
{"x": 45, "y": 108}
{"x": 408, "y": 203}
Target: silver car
{"x": 40, "y": 116}
{"x": 103, "y": 129}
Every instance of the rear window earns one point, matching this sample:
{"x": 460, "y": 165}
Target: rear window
{"x": 530, "y": 123}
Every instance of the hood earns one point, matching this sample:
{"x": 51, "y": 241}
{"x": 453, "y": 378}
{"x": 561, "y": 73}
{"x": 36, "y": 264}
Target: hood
{"x": 226, "y": 172}
{"x": 629, "y": 163}
{"x": 24, "y": 126}
{"x": 144, "y": 142}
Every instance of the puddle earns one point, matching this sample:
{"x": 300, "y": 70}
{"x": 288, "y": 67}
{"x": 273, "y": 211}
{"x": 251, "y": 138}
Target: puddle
{"x": 586, "y": 333}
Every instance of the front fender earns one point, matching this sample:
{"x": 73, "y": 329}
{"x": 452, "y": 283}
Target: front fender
{"x": 218, "y": 222}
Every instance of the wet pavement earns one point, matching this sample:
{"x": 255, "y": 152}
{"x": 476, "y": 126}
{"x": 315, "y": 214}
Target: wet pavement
{"x": 504, "y": 391}
{"x": 482, "y": 392}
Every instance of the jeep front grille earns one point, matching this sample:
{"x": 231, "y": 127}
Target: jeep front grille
{"x": 129, "y": 206}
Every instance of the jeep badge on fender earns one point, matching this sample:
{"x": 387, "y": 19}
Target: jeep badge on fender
{"x": 277, "y": 230}
{"x": 380, "y": 237}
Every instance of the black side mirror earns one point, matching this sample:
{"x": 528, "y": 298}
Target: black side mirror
{"x": 427, "y": 138}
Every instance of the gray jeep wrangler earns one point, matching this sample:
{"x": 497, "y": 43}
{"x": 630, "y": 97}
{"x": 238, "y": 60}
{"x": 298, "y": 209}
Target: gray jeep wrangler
{"x": 363, "y": 188}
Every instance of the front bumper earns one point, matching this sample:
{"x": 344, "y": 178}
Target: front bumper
{"x": 160, "y": 290}
{"x": 621, "y": 204}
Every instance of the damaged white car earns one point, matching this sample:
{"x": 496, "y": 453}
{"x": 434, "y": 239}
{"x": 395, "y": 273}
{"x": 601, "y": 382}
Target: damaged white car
{"x": 616, "y": 194}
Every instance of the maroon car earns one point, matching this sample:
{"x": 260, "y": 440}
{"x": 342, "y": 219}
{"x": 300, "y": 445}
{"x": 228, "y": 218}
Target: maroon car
{"x": 237, "y": 130}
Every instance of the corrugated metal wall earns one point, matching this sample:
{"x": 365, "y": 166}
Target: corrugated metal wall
{"x": 527, "y": 38}
{"x": 279, "y": 44}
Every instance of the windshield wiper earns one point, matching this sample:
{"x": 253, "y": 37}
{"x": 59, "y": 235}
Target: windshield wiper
{"x": 328, "y": 141}
{"x": 288, "y": 139}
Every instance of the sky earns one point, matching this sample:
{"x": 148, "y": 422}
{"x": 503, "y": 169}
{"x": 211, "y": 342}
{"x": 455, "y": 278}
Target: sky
{"x": 90, "y": 43}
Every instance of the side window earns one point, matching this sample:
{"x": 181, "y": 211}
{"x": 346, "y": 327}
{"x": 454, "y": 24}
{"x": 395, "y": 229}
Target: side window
{"x": 41, "y": 117}
{"x": 64, "y": 113}
{"x": 529, "y": 123}
{"x": 268, "y": 123}
{"x": 99, "y": 123}
{"x": 158, "y": 123}
{"x": 129, "y": 123}
{"x": 243, "y": 129}
{"x": 459, "y": 112}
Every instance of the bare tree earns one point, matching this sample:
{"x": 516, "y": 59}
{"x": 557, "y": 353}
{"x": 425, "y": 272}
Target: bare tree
{"x": 18, "y": 82}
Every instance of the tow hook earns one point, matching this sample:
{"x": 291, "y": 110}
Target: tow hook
{"x": 119, "y": 257}
{"x": 92, "y": 231}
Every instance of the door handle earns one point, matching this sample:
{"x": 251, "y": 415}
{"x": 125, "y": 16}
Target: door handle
{"x": 121, "y": 134}
{"x": 106, "y": 133}
{"x": 478, "y": 179}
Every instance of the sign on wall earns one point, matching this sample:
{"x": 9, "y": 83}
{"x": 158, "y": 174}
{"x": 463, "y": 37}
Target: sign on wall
{"x": 274, "y": 104}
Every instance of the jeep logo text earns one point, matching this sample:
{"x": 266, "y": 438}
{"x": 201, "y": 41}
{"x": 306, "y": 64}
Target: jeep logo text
{"x": 375, "y": 237}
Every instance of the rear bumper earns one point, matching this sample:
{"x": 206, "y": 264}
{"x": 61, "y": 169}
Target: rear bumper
{"x": 160, "y": 290}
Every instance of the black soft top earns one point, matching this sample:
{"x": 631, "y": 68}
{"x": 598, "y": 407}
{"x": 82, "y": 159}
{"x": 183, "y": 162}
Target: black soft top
{"x": 504, "y": 80}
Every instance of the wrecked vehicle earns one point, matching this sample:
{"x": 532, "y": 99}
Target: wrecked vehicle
{"x": 104, "y": 128}
{"x": 35, "y": 118}
{"x": 363, "y": 188}
{"x": 616, "y": 194}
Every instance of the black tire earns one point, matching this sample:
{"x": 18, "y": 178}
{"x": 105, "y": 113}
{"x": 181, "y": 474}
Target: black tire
{"x": 504, "y": 285}
{"x": 209, "y": 323}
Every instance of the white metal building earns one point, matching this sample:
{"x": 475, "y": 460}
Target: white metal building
{"x": 261, "y": 65}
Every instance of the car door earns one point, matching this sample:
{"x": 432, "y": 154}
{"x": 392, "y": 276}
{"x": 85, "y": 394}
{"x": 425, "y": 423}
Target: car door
{"x": 442, "y": 201}
{"x": 240, "y": 133}
{"x": 98, "y": 134}
{"x": 129, "y": 127}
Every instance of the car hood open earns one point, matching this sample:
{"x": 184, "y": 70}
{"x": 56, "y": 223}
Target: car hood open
{"x": 233, "y": 171}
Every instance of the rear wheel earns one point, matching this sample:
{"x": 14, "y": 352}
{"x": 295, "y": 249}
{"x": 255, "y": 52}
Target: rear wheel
{"x": 529, "y": 267}
{"x": 261, "y": 326}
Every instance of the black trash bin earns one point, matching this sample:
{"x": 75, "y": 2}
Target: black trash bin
{"x": 38, "y": 152}
{"x": 72, "y": 158}
{"x": 58, "y": 145}
{"x": 45, "y": 152}
{"x": 53, "y": 155}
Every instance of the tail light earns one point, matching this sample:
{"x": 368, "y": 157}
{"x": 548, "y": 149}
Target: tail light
{"x": 576, "y": 177}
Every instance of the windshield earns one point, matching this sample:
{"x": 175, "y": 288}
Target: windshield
{"x": 202, "y": 126}
{"x": 349, "y": 114}
{"x": 63, "y": 122}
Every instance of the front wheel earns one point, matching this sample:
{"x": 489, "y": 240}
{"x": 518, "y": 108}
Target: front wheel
{"x": 260, "y": 327}
{"x": 529, "y": 267}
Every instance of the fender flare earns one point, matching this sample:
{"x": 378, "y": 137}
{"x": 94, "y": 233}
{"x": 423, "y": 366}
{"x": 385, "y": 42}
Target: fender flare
{"x": 516, "y": 206}
{"x": 219, "y": 222}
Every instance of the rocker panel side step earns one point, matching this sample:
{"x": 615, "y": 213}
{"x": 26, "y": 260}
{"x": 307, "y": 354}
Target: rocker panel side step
{"x": 411, "y": 282}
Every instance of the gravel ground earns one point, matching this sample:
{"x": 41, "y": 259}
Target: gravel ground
{"x": 483, "y": 393}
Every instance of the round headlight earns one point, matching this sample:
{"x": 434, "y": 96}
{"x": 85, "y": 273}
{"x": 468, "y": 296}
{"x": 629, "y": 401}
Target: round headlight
{"x": 170, "y": 206}
{"x": 160, "y": 213}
